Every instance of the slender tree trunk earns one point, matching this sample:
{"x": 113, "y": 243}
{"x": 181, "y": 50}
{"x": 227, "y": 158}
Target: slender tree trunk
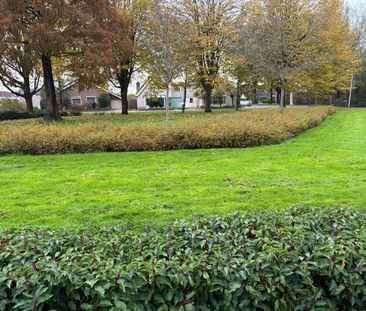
{"x": 255, "y": 96}
{"x": 278, "y": 97}
{"x": 232, "y": 100}
{"x": 350, "y": 94}
{"x": 28, "y": 95}
{"x": 50, "y": 90}
{"x": 60, "y": 86}
{"x": 167, "y": 112}
{"x": 238, "y": 95}
{"x": 184, "y": 98}
{"x": 282, "y": 101}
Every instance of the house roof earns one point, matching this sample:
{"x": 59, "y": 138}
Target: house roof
{"x": 142, "y": 88}
{"x": 6, "y": 94}
{"x": 114, "y": 95}
{"x": 97, "y": 87}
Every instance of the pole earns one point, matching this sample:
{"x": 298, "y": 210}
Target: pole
{"x": 350, "y": 93}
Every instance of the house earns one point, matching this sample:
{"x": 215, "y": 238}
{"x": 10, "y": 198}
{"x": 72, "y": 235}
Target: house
{"x": 88, "y": 99}
{"x": 147, "y": 97}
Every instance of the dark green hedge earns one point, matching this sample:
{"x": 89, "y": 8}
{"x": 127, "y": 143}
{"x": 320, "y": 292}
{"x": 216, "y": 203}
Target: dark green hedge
{"x": 14, "y": 115}
{"x": 297, "y": 259}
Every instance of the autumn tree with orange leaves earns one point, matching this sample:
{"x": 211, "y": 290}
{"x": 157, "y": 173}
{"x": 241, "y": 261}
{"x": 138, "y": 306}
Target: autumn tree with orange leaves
{"x": 83, "y": 31}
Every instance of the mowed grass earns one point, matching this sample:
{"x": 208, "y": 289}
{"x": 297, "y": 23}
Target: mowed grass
{"x": 326, "y": 166}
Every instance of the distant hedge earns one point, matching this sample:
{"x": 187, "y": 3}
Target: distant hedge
{"x": 296, "y": 259}
{"x": 15, "y": 115}
{"x": 219, "y": 131}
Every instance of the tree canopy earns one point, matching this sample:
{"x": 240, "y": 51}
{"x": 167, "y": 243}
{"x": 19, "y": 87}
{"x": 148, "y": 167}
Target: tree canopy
{"x": 83, "y": 30}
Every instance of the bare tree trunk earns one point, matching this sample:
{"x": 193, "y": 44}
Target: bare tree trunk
{"x": 282, "y": 102}
{"x": 255, "y": 96}
{"x": 60, "y": 86}
{"x": 52, "y": 109}
{"x": 28, "y": 95}
{"x": 278, "y": 97}
{"x": 208, "y": 98}
{"x": 124, "y": 79}
{"x": 167, "y": 112}
{"x": 184, "y": 98}
{"x": 29, "y": 102}
{"x": 124, "y": 99}
{"x": 238, "y": 95}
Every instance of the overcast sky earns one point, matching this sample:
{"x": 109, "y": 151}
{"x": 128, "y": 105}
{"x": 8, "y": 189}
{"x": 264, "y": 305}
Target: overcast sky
{"x": 357, "y": 2}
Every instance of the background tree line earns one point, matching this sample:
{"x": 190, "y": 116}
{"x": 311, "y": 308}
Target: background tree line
{"x": 309, "y": 47}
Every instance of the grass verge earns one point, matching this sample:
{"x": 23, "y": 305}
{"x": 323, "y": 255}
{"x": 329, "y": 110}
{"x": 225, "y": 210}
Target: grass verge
{"x": 323, "y": 167}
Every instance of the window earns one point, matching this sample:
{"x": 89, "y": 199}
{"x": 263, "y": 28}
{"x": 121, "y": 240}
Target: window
{"x": 76, "y": 101}
{"x": 91, "y": 100}
{"x": 191, "y": 100}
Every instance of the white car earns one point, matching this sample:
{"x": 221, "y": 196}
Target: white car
{"x": 246, "y": 103}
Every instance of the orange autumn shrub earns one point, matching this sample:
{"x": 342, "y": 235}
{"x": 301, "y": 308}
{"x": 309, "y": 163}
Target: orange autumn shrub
{"x": 227, "y": 130}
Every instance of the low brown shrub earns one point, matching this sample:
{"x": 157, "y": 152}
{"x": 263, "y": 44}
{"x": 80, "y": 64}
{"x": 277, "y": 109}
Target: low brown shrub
{"x": 229, "y": 130}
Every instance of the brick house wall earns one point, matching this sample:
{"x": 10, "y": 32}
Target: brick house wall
{"x": 81, "y": 97}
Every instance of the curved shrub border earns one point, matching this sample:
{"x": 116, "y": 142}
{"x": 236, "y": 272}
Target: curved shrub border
{"x": 296, "y": 259}
{"x": 219, "y": 131}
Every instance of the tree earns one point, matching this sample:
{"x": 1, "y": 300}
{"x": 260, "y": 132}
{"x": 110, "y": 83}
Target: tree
{"x": 126, "y": 64}
{"x": 104, "y": 100}
{"x": 249, "y": 76}
{"x": 19, "y": 67}
{"x": 213, "y": 24}
{"x": 82, "y": 30}
{"x": 281, "y": 37}
{"x": 162, "y": 42}
{"x": 336, "y": 57}
{"x": 357, "y": 17}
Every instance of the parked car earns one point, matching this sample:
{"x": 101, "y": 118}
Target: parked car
{"x": 245, "y": 102}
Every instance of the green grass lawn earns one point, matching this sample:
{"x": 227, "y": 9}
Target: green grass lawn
{"x": 326, "y": 166}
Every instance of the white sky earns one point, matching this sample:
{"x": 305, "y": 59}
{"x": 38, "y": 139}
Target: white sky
{"x": 356, "y": 2}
